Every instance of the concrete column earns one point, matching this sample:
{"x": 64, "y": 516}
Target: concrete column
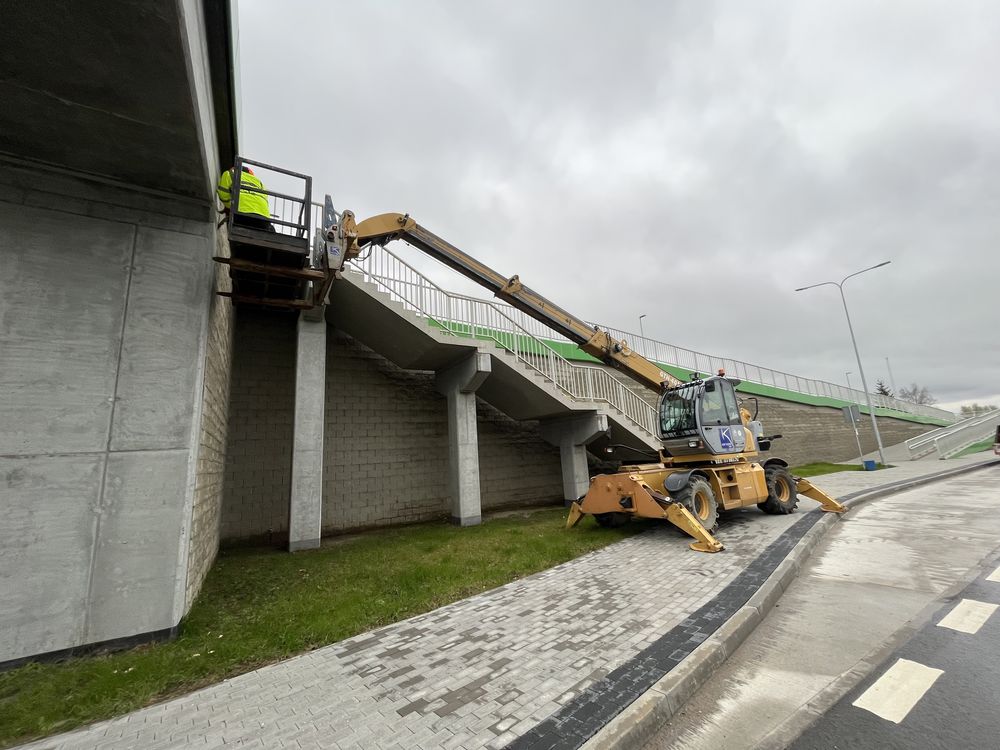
{"x": 458, "y": 383}
{"x": 305, "y": 510}
{"x": 572, "y": 434}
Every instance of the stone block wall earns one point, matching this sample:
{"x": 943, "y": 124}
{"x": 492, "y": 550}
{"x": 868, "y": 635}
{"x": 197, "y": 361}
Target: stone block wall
{"x": 261, "y": 413}
{"x": 206, "y": 509}
{"x": 386, "y": 442}
{"x": 819, "y": 433}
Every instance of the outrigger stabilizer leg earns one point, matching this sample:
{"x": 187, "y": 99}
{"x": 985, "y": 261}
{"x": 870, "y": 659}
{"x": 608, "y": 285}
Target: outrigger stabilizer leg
{"x": 827, "y": 503}
{"x": 638, "y": 498}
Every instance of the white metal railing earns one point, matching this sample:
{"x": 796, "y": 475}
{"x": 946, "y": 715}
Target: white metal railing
{"x": 688, "y": 359}
{"x": 663, "y": 353}
{"x": 952, "y": 439}
{"x": 470, "y": 317}
{"x": 516, "y": 323}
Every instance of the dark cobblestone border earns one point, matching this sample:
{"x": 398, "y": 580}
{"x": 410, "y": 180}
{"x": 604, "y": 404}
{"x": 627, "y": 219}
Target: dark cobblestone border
{"x": 585, "y": 715}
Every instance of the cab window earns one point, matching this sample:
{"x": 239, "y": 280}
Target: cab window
{"x": 718, "y": 407}
{"x": 732, "y": 404}
{"x": 713, "y": 405}
{"x": 677, "y": 412}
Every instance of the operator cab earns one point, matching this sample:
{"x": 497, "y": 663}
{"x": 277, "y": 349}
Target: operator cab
{"x": 702, "y": 417}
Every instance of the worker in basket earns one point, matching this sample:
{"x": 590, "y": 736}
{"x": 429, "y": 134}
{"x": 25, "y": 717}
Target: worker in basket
{"x": 253, "y": 209}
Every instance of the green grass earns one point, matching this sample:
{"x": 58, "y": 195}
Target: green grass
{"x": 814, "y": 470}
{"x": 258, "y": 606}
{"x": 983, "y": 445}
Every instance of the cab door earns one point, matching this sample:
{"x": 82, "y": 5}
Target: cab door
{"x": 719, "y": 418}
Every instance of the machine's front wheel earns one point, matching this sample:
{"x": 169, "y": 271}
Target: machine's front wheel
{"x": 782, "y": 496}
{"x": 612, "y": 520}
{"x": 698, "y": 498}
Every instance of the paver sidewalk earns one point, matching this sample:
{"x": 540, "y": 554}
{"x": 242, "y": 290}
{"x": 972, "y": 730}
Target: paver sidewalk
{"x": 479, "y": 672}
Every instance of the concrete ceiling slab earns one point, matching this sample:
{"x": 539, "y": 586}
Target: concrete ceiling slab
{"x": 103, "y": 88}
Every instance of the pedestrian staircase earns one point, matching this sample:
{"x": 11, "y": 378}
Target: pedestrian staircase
{"x": 395, "y": 310}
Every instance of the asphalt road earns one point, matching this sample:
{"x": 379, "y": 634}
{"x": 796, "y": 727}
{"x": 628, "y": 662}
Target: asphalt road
{"x": 871, "y": 594}
{"x": 939, "y": 690}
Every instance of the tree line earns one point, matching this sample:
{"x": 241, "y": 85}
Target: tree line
{"x": 917, "y": 394}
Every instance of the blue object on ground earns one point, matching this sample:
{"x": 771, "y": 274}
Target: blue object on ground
{"x": 869, "y": 465}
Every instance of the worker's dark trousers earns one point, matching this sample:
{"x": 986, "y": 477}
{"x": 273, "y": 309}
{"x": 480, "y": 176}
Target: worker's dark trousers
{"x": 253, "y": 222}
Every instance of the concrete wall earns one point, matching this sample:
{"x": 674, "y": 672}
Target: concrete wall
{"x": 104, "y": 295}
{"x": 386, "y": 440}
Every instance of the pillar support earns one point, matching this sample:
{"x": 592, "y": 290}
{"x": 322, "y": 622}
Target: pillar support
{"x": 458, "y": 383}
{"x": 572, "y": 434}
{"x": 305, "y": 512}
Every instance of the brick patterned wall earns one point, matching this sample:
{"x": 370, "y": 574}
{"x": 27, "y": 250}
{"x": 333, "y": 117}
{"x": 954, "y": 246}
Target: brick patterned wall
{"x": 207, "y": 504}
{"x": 819, "y": 433}
{"x": 387, "y": 446}
{"x": 516, "y": 467}
{"x": 386, "y": 441}
{"x": 261, "y": 413}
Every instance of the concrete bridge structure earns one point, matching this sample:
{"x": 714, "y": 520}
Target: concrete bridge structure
{"x": 144, "y": 420}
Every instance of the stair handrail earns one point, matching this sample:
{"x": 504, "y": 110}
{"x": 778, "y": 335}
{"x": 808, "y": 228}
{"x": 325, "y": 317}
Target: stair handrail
{"x": 487, "y": 319}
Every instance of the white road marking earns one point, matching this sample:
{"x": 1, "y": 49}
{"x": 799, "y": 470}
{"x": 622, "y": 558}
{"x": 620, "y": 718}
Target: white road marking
{"x": 994, "y": 576}
{"x": 896, "y": 692}
{"x": 968, "y": 616}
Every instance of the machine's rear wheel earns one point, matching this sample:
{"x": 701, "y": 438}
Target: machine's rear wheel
{"x": 697, "y": 497}
{"x": 612, "y": 520}
{"x": 781, "y": 494}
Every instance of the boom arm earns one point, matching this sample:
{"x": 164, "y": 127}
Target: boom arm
{"x": 379, "y": 230}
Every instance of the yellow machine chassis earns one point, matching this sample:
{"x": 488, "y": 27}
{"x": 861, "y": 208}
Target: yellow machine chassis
{"x": 641, "y": 491}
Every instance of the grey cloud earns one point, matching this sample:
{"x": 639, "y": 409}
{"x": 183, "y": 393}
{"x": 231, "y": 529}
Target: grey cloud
{"x": 692, "y": 161}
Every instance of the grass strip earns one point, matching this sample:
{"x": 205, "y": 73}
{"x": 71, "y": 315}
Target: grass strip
{"x": 258, "y": 606}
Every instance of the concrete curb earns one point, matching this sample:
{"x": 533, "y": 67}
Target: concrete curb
{"x": 633, "y": 727}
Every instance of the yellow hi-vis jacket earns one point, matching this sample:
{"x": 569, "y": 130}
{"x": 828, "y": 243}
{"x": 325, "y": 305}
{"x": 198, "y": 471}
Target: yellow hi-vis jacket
{"x": 250, "y": 202}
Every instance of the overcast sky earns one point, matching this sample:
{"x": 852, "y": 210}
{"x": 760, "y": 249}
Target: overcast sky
{"x": 691, "y": 161}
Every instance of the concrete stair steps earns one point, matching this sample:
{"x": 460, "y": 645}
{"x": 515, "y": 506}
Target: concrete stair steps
{"x": 370, "y": 314}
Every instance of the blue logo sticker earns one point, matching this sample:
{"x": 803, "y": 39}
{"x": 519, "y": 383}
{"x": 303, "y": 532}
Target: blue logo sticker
{"x": 726, "y": 438}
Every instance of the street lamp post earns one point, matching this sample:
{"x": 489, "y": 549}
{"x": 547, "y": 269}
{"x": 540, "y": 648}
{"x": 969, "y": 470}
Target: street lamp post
{"x": 891, "y": 378}
{"x": 850, "y": 327}
{"x": 854, "y": 422}
{"x": 641, "y": 333}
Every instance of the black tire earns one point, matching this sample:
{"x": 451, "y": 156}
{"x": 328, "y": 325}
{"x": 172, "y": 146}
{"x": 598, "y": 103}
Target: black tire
{"x": 698, "y": 498}
{"x": 612, "y": 520}
{"x": 782, "y": 496}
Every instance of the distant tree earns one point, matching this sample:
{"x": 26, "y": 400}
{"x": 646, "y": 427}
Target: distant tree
{"x": 974, "y": 409}
{"x": 917, "y": 394}
{"x": 882, "y": 389}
